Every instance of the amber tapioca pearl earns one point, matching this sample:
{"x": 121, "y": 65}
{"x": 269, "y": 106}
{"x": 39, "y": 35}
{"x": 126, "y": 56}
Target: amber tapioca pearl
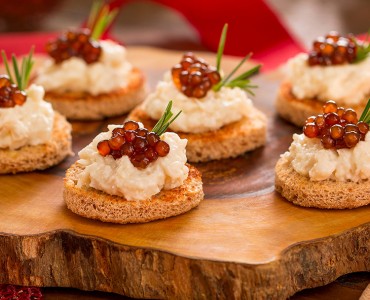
{"x": 331, "y": 118}
{"x": 128, "y": 149}
{"x": 311, "y": 119}
{"x": 350, "y": 116}
{"x": 141, "y": 146}
{"x": 139, "y": 160}
{"x": 116, "y": 154}
{"x": 162, "y": 148}
{"x": 152, "y": 139}
{"x": 330, "y": 107}
{"x": 320, "y": 121}
{"x": 6, "y": 103}
{"x": 143, "y": 132}
{"x": 116, "y": 142}
{"x": 351, "y": 138}
{"x": 351, "y": 127}
{"x": 104, "y": 148}
{"x": 311, "y": 130}
{"x": 151, "y": 154}
{"x": 327, "y": 142}
{"x": 118, "y": 131}
{"x": 363, "y": 127}
{"x": 336, "y": 132}
{"x": 130, "y": 125}
{"x": 6, "y": 91}
{"x": 4, "y": 81}
{"x": 340, "y": 111}
{"x": 130, "y": 136}
{"x": 90, "y": 52}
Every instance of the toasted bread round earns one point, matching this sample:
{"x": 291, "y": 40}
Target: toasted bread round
{"x": 328, "y": 194}
{"x": 94, "y": 204}
{"x": 297, "y": 110}
{"x": 229, "y": 141}
{"x": 84, "y": 106}
{"x": 39, "y": 157}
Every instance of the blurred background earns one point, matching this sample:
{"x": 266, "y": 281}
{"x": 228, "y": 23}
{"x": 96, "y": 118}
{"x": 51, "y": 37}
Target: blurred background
{"x": 148, "y": 23}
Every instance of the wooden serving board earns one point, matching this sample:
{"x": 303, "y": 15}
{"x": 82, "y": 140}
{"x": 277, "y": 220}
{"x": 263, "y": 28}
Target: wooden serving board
{"x": 243, "y": 241}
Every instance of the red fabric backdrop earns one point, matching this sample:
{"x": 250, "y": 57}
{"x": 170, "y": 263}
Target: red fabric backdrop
{"x": 253, "y": 27}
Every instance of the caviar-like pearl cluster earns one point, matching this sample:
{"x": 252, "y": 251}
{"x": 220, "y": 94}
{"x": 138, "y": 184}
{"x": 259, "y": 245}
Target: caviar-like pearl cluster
{"x": 141, "y": 146}
{"x": 10, "y": 94}
{"x": 74, "y": 44}
{"x": 193, "y": 76}
{"x": 336, "y": 127}
{"x": 333, "y": 49}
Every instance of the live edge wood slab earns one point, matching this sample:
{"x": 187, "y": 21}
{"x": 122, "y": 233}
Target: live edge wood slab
{"x": 243, "y": 241}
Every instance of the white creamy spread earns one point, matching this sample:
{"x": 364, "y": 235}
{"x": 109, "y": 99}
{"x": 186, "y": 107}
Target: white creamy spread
{"x": 109, "y": 73}
{"x": 348, "y": 84}
{"x": 309, "y": 158}
{"x": 119, "y": 177}
{"x": 27, "y": 124}
{"x": 209, "y": 113}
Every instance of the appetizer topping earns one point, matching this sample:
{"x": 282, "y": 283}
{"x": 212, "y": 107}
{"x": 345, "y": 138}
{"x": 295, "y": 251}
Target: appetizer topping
{"x": 10, "y": 95}
{"x": 309, "y": 158}
{"x": 120, "y": 177}
{"x": 194, "y": 77}
{"x": 140, "y": 145}
{"x": 76, "y": 43}
{"x": 338, "y": 127}
{"x": 83, "y": 42}
{"x": 348, "y": 84}
{"x": 12, "y": 91}
{"x": 212, "y": 112}
{"x": 27, "y": 124}
{"x": 111, "y": 72}
{"x": 335, "y": 49}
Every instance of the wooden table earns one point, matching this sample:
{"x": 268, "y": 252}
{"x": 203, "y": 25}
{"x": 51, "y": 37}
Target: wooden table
{"x": 244, "y": 240}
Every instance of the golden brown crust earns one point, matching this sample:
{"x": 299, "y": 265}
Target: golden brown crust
{"x": 327, "y": 194}
{"x": 229, "y": 141}
{"x": 95, "y": 204}
{"x": 84, "y": 106}
{"x": 297, "y": 110}
{"x": 39, "y": 157}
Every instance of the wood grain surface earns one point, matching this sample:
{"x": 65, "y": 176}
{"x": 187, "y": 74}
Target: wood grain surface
{"x": 243, "y": 241}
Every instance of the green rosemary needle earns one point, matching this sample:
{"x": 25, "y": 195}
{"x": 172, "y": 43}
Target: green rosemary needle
{"x": 365, "y": 116}
{"x": 363, "y": 49}
{"x": 100, "y": 18}
{"x": 21, "y": 76}
{"x": 165, "y": 120}
{"x": 240, "y": 81}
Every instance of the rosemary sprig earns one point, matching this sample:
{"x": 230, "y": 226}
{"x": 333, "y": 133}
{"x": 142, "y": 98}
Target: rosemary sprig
{"x": 22, "y": 75}
{"x": 165, "y": 120}
{"x": 100, "y": 18}
{"x": 363, "y": 49}
{"x": 96, "y": 7}
{"x": 221, "y": 47}
{"x": 248, "y": 73}
{"x": 365, "y": 117}
{"x": 6, "y": 64}
{"x": 240, "y": 81}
